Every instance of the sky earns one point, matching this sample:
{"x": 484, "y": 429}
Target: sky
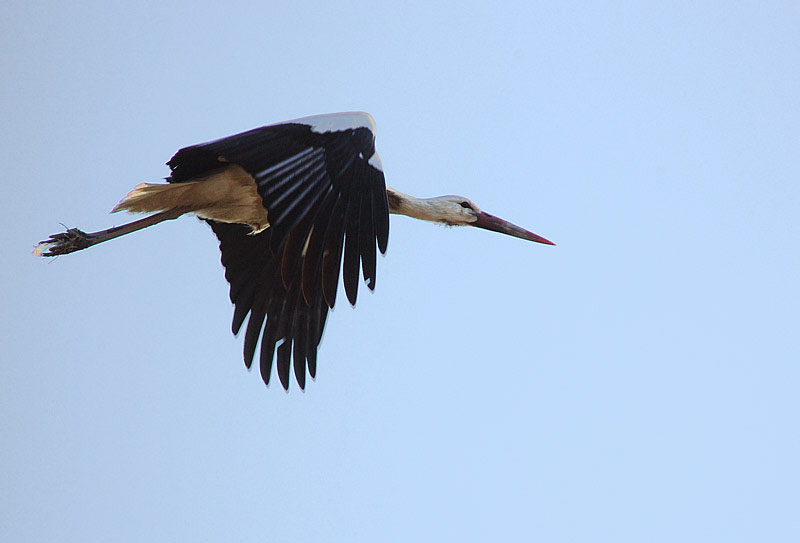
{"x": 637, "y": 382}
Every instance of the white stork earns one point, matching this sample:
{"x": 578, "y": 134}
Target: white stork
{"x": 287, "y": 201}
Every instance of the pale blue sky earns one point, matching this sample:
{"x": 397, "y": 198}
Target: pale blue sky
{"x": 639, "y": 382}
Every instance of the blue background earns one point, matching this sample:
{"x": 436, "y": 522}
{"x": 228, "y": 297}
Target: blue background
{"x": 639, "y": 382}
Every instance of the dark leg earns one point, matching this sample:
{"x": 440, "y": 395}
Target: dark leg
{"x": 74, "y": 240}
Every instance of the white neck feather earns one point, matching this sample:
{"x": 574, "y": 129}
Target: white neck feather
{"x": 427, "y": 209}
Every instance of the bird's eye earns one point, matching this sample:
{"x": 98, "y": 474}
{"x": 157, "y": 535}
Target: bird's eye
{"x": 465, "y": 205}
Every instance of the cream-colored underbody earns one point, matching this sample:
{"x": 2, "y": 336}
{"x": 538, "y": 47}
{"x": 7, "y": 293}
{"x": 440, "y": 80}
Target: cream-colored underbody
{"x": 226, "y": 195}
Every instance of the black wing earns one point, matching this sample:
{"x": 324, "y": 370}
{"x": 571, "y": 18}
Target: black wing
{"x": 325, "y": 200}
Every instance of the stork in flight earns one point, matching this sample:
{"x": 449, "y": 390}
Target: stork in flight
{"x": 291, "y": 203}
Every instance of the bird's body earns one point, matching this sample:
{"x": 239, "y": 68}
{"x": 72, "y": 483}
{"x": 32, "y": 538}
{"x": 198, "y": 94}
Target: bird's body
{"x": 292, "y": 205}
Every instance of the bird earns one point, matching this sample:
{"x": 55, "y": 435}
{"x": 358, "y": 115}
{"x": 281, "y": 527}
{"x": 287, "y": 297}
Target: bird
{"x": 293, "y": 205}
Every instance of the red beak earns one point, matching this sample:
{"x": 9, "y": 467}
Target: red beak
{"x": 496, "y": 224}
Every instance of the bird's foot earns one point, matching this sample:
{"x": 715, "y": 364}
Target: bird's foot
{"x": 64, "y": 243}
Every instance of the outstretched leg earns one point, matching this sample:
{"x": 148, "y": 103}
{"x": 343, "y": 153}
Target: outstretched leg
{"x": 74, "y": 240}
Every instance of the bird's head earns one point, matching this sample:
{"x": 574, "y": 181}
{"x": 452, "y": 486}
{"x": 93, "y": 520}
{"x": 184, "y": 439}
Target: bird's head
{"x": 460, "y": 211}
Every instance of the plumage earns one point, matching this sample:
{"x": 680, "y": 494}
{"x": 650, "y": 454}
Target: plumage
{"x": 308, "y": 183}
{"x": 294, "y": 205}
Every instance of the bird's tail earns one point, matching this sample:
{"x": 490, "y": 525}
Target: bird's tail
{"x": 226, "y": 196}
{"x": 150, "y": 197}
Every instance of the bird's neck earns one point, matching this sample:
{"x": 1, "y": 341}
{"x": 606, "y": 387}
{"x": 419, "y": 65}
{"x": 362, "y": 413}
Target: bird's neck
{"x": 427, "y": 209}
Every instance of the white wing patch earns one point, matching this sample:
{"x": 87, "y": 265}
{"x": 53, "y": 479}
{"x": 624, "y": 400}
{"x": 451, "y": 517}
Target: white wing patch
{"x": 375, "y": 161}
{"x": 334, "y": 122}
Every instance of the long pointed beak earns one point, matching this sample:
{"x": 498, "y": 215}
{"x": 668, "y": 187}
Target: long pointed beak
{"x": 496, "y": 224}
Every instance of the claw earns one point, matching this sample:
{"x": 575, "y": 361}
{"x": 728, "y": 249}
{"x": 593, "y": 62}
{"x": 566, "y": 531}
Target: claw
{"x": 63, "y": 243}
